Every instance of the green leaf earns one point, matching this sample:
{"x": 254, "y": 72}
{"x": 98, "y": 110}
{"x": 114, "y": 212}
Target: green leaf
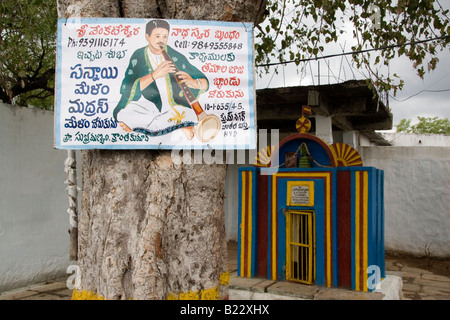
{"x": 377, "y": 60}
{"x": 27, "y": 46}
{"x": 318, "y": 22}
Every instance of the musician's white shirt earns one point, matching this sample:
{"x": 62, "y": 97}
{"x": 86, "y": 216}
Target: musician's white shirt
{"x": 143, "y": 113}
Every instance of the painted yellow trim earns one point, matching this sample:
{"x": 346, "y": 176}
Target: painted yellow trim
{"x": 85, "y": 295}
{"x": 224, "y": 278}
{"x": 172, "y": 296}
{"x": 328, "y": 223}
{"x": 242, "y": 226}
{"x": 314, "y": 245}
{"x": 274, "y": 226}
{"x": 288, "y": 244}
{"x": 205, "y": 294}
{"x": 365, "y": 226}
{"x": 361, "y": 253}
{"x": 190, "y": 295}
{"x": 357, "y": 213}
{"x": 209, "y": 294}
{"x": 311, "y": 256}
{"x": 249, "y": 227}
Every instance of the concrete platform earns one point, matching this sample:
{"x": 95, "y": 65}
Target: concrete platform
{"x": 391, "y": 288}
{"x": 263, "y": 289}
{"x": 405, "y": 280}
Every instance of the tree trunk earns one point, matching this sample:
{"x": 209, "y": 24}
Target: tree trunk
{"x": 150, "y": 228}
{"x": 71, "y": 171}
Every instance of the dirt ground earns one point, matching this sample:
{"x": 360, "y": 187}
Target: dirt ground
{"x": 437, "y": 266}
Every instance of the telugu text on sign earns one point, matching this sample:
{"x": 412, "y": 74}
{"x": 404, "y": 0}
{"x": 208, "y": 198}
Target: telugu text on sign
{"x": 154, "y": 84}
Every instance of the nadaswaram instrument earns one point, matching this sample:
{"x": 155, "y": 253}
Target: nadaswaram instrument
{"x": 208, "y": 125}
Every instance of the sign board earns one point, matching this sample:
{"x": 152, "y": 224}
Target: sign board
{"x": 300, "y": 193}
{"x": 154, "y": 84}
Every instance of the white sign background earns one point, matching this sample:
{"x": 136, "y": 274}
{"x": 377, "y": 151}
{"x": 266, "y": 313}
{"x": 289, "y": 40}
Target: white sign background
{"x": 300, "y": 195}
{"x": 93, "y": 55}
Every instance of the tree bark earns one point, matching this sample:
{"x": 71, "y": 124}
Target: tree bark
{"x": 219, "y": 10}
{"x": 72, "y": 188}
{"x": 150, "y": 228}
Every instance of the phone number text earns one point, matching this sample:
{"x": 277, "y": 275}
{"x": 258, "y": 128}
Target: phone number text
{"x": 95, "y": 42}
{"x": 185, "y": 44}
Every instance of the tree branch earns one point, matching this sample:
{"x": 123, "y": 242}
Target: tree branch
{"x": 37, "y": 83}
{"x": 4, "y": 96}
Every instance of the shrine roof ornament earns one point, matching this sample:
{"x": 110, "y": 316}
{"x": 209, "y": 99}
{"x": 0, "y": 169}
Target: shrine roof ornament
{"x": 305, "y": 150}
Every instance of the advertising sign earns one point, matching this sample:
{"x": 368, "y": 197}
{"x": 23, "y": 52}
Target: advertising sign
{"x": 154, "y": 84}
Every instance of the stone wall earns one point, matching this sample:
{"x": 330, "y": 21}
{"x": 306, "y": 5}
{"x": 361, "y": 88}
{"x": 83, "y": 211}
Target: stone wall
{"x": 34, "y": 242}
{"x": 417, "y": 193}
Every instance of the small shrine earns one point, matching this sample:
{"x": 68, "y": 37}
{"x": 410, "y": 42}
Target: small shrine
{"x": 317, "y": 217}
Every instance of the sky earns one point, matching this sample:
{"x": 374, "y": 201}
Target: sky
{"x": 428, "y": 97}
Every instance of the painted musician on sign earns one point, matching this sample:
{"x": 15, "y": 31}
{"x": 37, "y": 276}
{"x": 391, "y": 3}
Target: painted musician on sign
{"x": 153, "y": 99}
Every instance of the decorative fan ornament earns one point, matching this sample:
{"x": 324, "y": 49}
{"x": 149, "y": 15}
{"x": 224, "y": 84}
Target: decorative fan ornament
{"x": 263, "y": 158}
{"x": 346, "y": 155}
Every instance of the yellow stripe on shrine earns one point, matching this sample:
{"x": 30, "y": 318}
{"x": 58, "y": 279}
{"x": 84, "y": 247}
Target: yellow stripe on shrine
{"x": 242, "y": 226}
{"x": 365, "y": 226}
{"x": 357, "y": 206}
{"x": 249, "y": 227}
{"x": 274, "y": 227}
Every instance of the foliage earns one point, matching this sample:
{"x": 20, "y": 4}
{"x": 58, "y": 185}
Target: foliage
{"x": 386, "y": 24}
{"x": 27, "y": 52}
{"x": 425, "y": 125}
{"x": 293, "y": 30}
